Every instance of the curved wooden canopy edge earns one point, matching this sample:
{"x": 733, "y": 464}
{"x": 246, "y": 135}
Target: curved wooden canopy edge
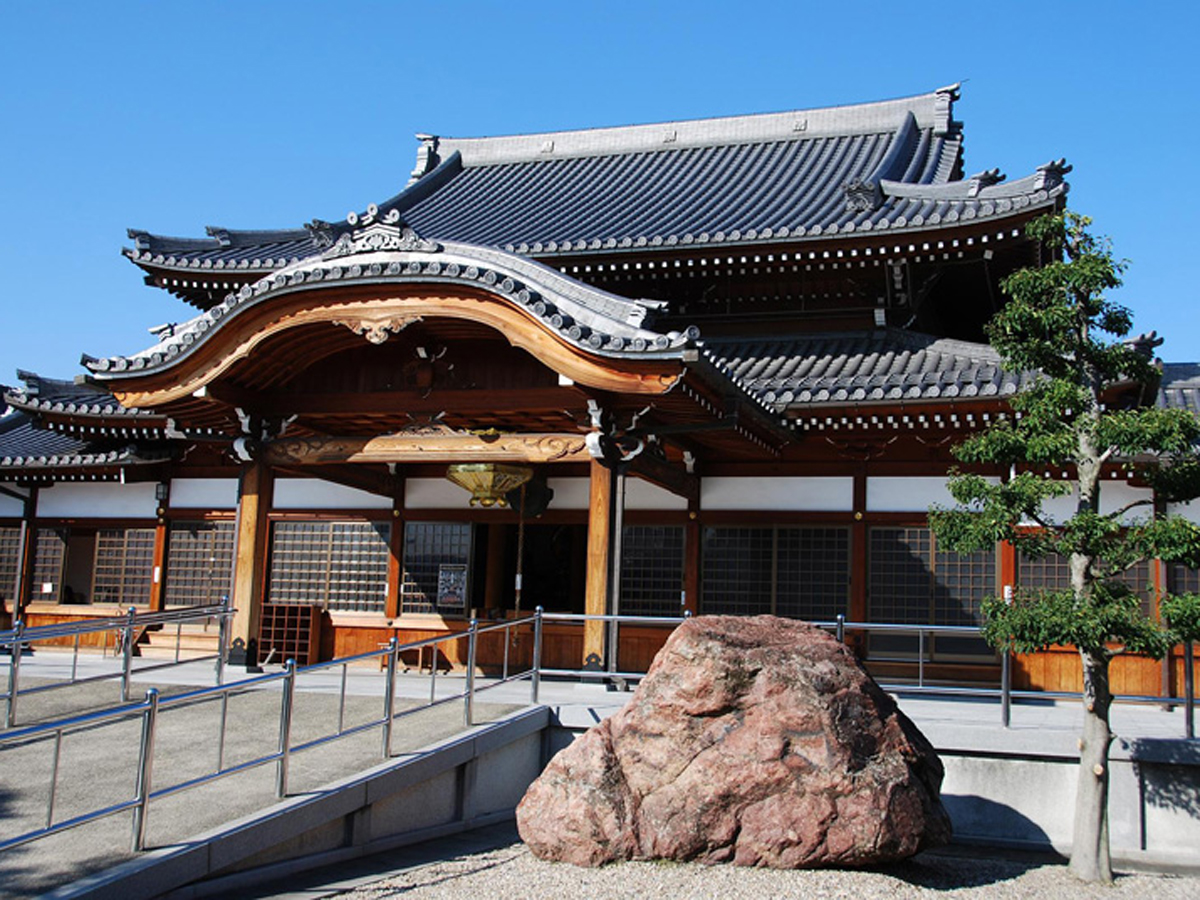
{"x": 376, "y": 311}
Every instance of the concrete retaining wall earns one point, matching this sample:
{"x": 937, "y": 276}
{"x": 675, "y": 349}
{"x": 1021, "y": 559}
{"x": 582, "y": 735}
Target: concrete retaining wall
{"x": 1029, "y": 801}
{"x": 466, "y": 782}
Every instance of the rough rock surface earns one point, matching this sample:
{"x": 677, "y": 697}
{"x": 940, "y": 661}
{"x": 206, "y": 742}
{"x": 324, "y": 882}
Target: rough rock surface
{"x": 759, "y": 741}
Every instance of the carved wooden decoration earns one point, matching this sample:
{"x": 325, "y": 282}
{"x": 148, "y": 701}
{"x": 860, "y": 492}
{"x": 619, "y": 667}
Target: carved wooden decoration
{"x": 376, "y": 326}
{"x": 428, "y": 445}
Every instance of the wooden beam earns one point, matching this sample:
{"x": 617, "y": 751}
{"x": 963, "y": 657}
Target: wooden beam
{"x": 599, "y": 547}
{"x": 254, "y": 502}
{"x": 673, "y": 478}
{"x": 420, "y": 403}
{"x": 428, "y": 445}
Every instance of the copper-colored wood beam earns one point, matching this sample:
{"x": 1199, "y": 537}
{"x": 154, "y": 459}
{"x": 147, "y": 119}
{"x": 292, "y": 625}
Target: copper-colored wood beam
{"x": 599, "y": 546}
{"x": 254, "y": 502}
{"x": 667, "y": 476}
{"x": 434, "y": 446}
{"x": 461, "y": 402}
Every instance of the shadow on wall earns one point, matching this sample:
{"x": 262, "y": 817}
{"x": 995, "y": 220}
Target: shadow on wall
{"x": 1168, "y": 774}
{"x": 979, "y": 819}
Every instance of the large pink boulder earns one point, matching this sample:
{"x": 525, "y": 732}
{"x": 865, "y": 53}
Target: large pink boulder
{"x": 760, "y": 741}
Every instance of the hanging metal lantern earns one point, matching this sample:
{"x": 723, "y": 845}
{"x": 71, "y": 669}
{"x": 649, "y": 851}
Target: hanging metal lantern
{"x": 488, "y": 482}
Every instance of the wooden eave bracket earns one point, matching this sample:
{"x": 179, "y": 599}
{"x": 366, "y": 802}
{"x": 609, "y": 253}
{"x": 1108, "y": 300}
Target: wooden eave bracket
{"x": 669, "y": 477}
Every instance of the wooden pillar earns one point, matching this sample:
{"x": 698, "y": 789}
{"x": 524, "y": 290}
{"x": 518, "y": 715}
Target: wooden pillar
{"x": 691, "y": 560}
{"x": 599, "y": 548}
{"x": 254, "y": 502}
{"x": 858, "y": 553}
{"x": 158, "y": 580}
{"x": 392, "y": 607}
{"x": 25, "y": 557}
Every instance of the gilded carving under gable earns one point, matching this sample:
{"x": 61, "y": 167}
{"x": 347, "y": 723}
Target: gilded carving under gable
{"x": 376, "y": 328}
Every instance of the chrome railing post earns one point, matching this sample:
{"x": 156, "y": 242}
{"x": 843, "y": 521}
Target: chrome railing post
{"x": 58, "y": 736}
{"x": 14, "y": 674}
{"x": 536, "y": 679}
{"x": 1005, "y": 688}
{"x": 75, "y": 658}
{"x": 285, "y": 728}
{"x": 389, "y": 698}
{"x": 127, "y": 657}
{"x": 920, "y": 657}
{"x": 1189, "y": 691}
{"x": 145, "y": 769}
{"x": 433, "y": 652}
{"x": 472, "y": 641}
{"x": 342, "y": 700}
{"x": 222, "y": 640}
{"x": 841, "y": 628}
{"x": 507, "y": 632}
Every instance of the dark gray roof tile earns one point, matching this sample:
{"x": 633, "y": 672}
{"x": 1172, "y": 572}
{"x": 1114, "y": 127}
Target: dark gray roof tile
{"x": 878, "y": 365}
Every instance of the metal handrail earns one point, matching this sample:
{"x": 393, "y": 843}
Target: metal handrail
{"x": 152, "y": 706}
{"x": 125, "y": 627}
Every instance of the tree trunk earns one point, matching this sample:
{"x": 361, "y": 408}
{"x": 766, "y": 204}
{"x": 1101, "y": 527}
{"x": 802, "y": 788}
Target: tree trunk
{"x": 1089, "y": 848}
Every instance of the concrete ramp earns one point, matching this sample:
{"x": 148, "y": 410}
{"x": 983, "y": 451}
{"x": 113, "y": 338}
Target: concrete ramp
{"x": 463, "y": 782}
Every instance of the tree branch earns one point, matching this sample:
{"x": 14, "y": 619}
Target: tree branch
{"x": 1117, "y": 513}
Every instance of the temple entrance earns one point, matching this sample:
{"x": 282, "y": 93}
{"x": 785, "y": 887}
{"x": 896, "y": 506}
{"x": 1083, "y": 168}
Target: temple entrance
{"x": 554, "y": 570}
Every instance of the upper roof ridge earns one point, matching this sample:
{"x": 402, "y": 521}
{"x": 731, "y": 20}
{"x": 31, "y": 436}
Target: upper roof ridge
{"x": 933, "y": 110}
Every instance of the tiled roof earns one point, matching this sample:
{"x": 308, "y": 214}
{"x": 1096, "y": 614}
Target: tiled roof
{"x": 49, "y": 395}
{"x": 27, "y": 448}
{"x": 780, "y": 177}
{"x": 884, "y": 365}
{"x": 21, "y": 440}
{"x": 1180, "y": 387}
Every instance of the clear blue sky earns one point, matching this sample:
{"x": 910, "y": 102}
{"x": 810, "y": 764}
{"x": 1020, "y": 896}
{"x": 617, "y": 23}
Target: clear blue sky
{"x": 173, "y": 116}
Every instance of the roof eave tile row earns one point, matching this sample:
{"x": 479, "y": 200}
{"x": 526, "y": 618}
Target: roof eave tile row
{"x": 593, "y": 320}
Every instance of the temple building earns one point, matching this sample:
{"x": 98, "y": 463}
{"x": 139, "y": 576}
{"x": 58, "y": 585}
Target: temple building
{"x": 713, "y": 366}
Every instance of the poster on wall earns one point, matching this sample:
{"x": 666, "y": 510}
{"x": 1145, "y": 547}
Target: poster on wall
{"x": 452, "y": 586}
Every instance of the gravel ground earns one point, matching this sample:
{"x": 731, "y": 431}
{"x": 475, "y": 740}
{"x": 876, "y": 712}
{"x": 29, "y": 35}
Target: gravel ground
{"x": 513, "y": 873}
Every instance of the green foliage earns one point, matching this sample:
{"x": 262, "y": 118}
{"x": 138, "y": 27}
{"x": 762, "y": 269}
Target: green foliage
{"x": 1111, "y": 619}
{"x": 1083, "y": 408}
{"x": 1181, "y": 612}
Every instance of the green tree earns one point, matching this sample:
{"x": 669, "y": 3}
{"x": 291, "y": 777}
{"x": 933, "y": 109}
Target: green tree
{"x": 1088, "y": 407}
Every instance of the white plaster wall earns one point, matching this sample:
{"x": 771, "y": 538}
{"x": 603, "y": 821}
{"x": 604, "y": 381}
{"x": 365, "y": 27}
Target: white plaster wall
{"x": 573, "y": 493}
{"x": 313, "y": 493}
{"x": 204, "y": 493}
{"x": 11, "y": 506}
{"x": 825, "y": 494}
{"x": 434, "y": 493}
{"x": 906, "y": 493}
{"x": 641, "y": 494}
{"x": 97, "y": 500}
{"x": 1190, "y": 511}
{"x": 1113, "y": 496}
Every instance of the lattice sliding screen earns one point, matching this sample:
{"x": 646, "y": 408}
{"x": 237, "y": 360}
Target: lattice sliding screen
{"x": 814, "y": 573}
{"x": 1053, "y": 573}
{"x": 199, "y": 563}
{"x": 651, "y": 570}
{"x": 911, "y": 582}
{"x": 49, "y": 555}
{"x": 798, "y": 572}
{"x": 738, "y": 570}
{"x": 124, "y": 565}
{"x": 436, "y": 555}
{"x": 10, "y": 562}
{"x": 339, "y": 565}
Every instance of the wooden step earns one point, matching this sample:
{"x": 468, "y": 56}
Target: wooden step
{"x": 194, "y": 640}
